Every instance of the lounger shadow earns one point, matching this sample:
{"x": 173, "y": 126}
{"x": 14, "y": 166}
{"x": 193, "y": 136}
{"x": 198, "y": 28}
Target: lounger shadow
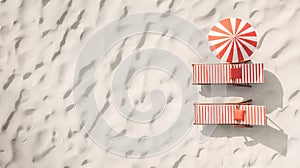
{"x": 268, "y": 136}
{"x": 269, "y": 94}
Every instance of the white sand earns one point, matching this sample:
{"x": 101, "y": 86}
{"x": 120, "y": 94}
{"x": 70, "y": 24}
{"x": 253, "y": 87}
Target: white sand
{"x": 40, "y": 42}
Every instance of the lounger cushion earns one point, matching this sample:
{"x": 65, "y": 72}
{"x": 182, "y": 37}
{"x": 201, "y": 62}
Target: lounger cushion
{"x": 239, "y": 114}
{"x": 235, "y": 73}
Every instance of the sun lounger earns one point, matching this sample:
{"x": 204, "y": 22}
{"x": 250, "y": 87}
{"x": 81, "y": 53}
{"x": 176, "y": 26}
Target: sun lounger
{"x": 238, "y": 114}
{"x": 236, "y": 74}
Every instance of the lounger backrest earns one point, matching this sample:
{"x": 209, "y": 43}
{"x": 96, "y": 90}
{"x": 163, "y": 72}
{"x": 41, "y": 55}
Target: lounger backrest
{"x": 222, "y": 73}
{"x": 224, "y": 114}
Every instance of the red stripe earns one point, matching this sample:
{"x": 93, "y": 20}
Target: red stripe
{"x": 222, "y": 52}
{"x": 230, "y": 56}
{"x": 195, "y": 111}
{"x": 227, "y": 24}
{"x": 227, "y": 73}
{"x": 202, "y": 113}
{"x": 251, "y": 42}
{"x": 248, "y": 115}
{"x": 205, "y": 119}
{"x": 220, "y": 74}
{"x": 229, "y": 113}
{"x": 263, "y": 73}
{"x": 240, "y": 55}
{"x": 195, "y": 67}
{"x": 226, "y": 115}
{"x": 259, "y": 116}
{"x": 198, "y": 114}
{"x": 214, "y": 47}
{"x": 206, "y": 74}
{"x": 265, "y": 119}
{"x": 252, "y": 73}
{"x": 216, "y": 29}
{"x": 255, "y": 116}
{"x": 260, "y": 73}
{"x": 199, "y": 74}
{"x": 213, "y": 114}
{"x": 246, "y": 26}
{"x": 217, "y": 114}
{"x": 237, "y": 24}
{"x": 213, "y": 73}
{"x": 248, "y": 34}
{"x": 248, "y": 51}
{"x": 211, "y": 38}
{"x": 257, "y": 73}
{"x": 209, "y": 114}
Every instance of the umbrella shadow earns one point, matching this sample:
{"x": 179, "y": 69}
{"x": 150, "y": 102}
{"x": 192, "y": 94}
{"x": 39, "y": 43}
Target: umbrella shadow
{"x": 265, "y": 135}
{"x": 269, "y": 94}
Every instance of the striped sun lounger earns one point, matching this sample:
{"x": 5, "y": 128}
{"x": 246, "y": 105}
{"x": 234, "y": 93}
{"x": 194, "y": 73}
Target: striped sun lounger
{"x": 225, "y": 114}
{"x": 242, "y": 73}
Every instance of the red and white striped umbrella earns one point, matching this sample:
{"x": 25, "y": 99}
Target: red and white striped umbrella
{"x": 232, "y": 40}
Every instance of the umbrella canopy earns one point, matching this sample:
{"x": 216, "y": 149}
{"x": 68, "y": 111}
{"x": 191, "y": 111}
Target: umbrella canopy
{"x": 232, "y": 40}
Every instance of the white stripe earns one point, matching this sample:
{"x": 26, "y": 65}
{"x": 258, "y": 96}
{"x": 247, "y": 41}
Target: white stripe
{"x": 214, "y": 42}
{"x": 232, "y": 114}
{"x": 242, "y": 24}
{"x": 220, "y": 114}
{"x": 215, "y": 33}
{"x": 206, "y": 115}
{"x": 262, "y": 71}
{"x": 249, "y": 114}
{"x": 232, "y": 20}
{"x": 219, "y": 49}
{"x": 253, "y": 115}
{"x": 252, "y": 38}
{"x": 256, "y": 116}
{"x": 213, "y": 73}
{"x": 251, "y": 47}
{"x": 196, "y": 74}
{"x": 211, "y": 116}
{"x": 243, "y": 73}
{"x": 220, "y": 26}
{"x": 200, "y": 78}
{"x": 259, "y": 116}
{"x": 195, "y": 68}
{"x": 254, "y": 74}
{"x": 210, "y": 73}
{"x": 198, "y": 114}
{"x": 235, "y": 55}
{"x": 244, "y": 53}
{"x": 264, "y": 118}
{"x": 248, "y": 74}
{"x": 250, "y": 29}
{"x": 226, "y": 54}
{"x": 214, "y": 115}
{"x": 222, "y": 73}
{"x": 217, "y": 67}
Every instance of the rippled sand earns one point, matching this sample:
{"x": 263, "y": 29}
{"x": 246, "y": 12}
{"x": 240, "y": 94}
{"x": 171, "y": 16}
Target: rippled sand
{"x": 40, "y": 42}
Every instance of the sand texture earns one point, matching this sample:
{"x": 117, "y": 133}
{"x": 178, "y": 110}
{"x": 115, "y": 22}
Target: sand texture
{"x": 83, "y": 85}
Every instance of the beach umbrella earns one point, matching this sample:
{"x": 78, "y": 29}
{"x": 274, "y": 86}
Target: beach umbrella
{"x": 232, "y": 40}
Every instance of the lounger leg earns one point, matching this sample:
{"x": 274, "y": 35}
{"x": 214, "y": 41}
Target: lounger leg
{"x": 242, "y": 126}
{"x": 242, "y": 85}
